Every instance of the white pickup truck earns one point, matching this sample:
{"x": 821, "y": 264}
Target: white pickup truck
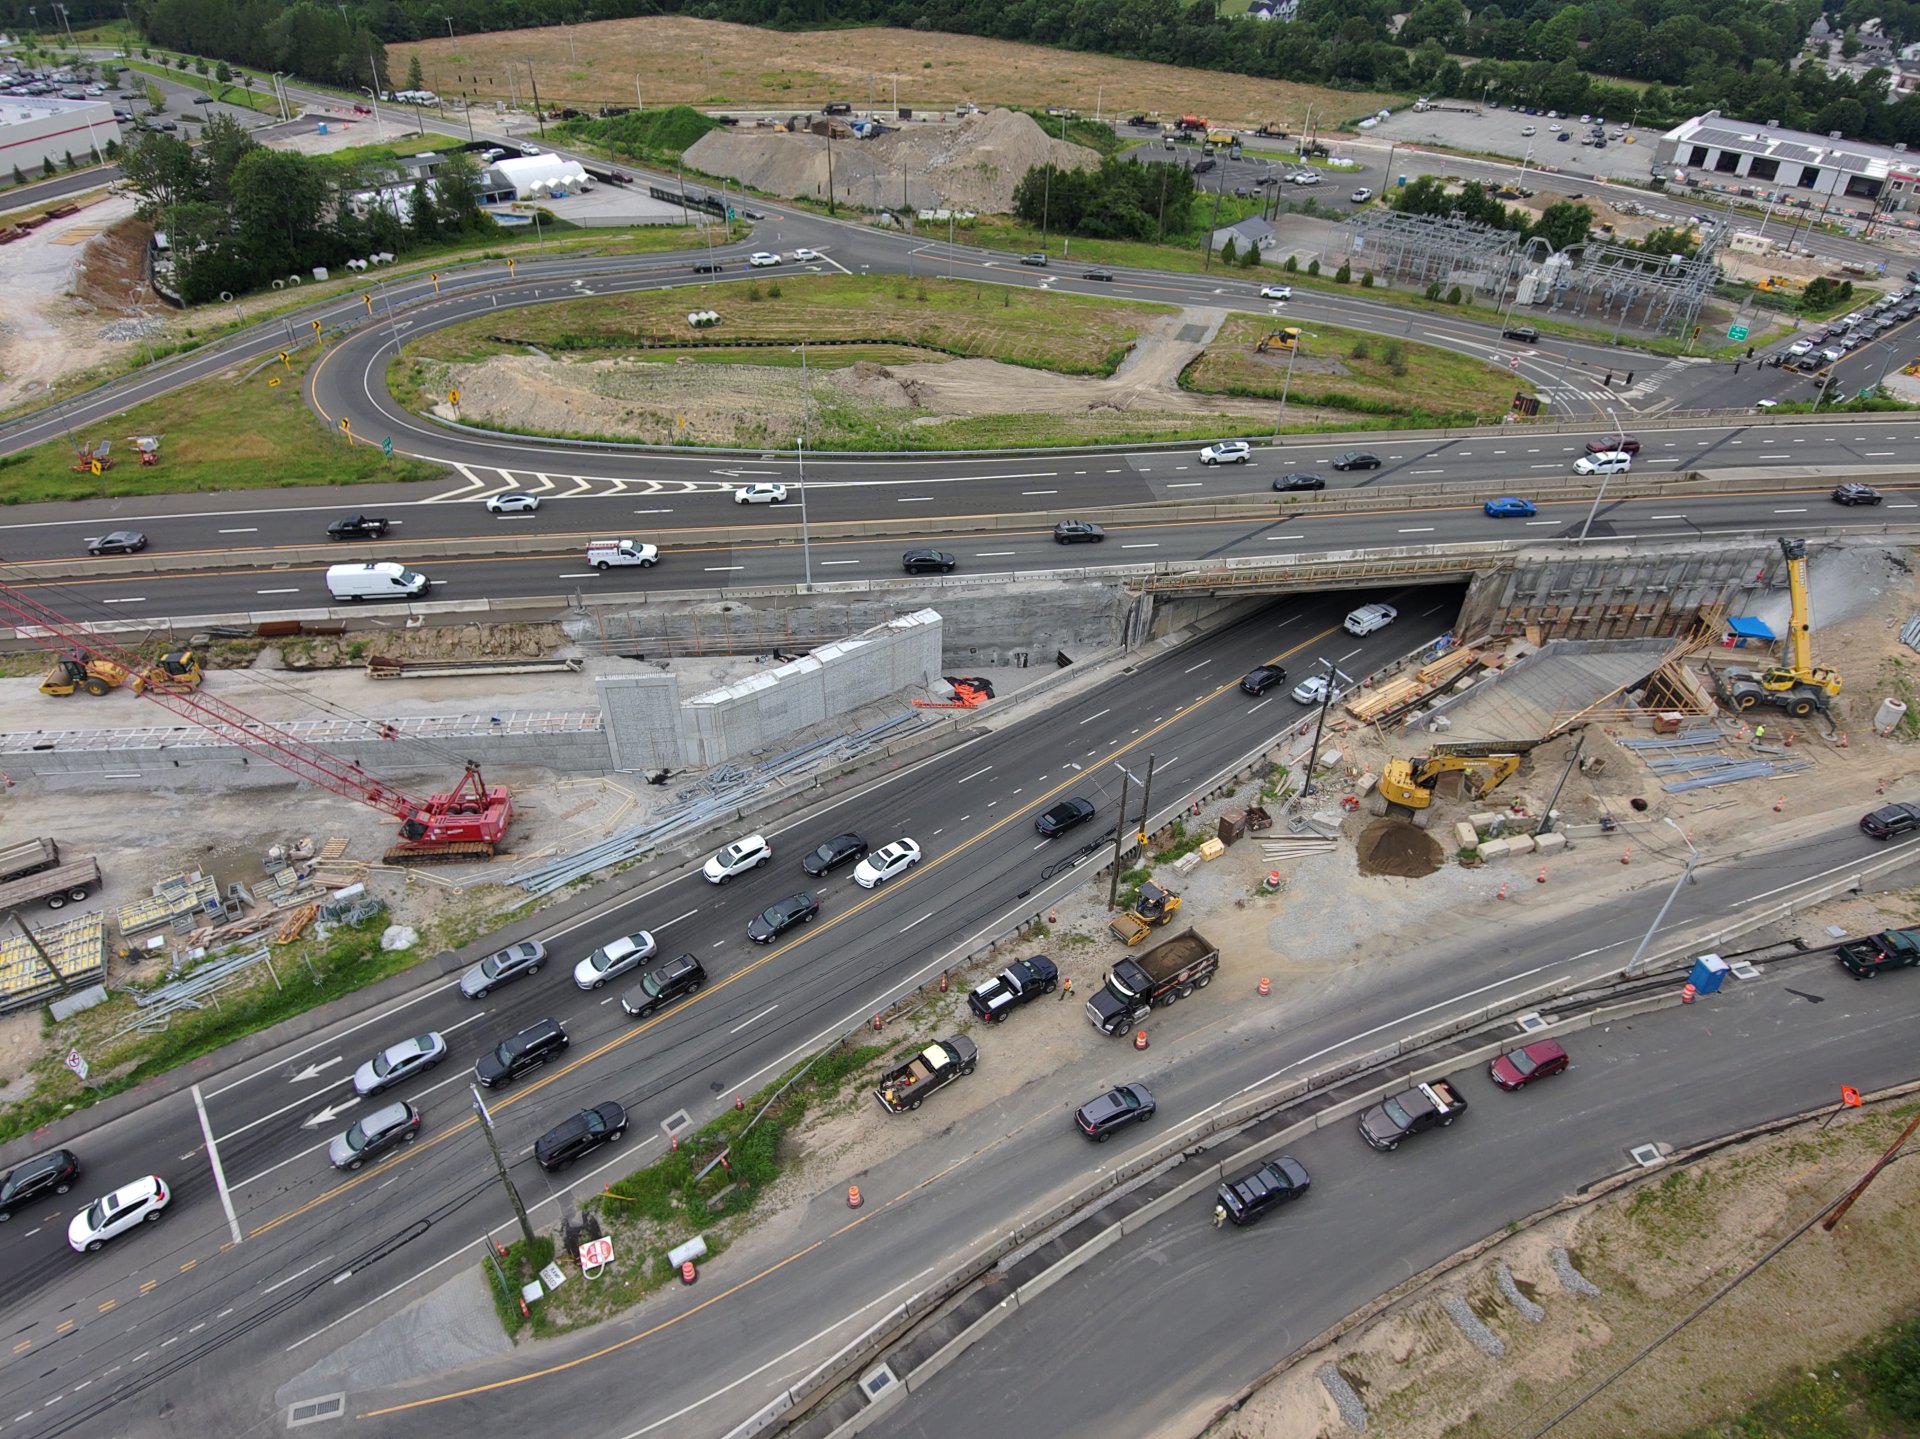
{"x": 605, "y": 554}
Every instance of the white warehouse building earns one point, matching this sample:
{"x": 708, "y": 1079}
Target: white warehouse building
{"x": 34, "y": 131}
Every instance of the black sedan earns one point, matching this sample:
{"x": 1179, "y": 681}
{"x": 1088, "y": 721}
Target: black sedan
{"x": 1890, "y": 820}
{"x": 1078, "y": 532}
{"x": 842, "y": 849}
{"x": 1063, "y": 817}
{"x": 118, "y": 542}
{"x": 1106, "y": 275}
{"x": 1854, "y": 493}
{"x": 1357, "y": 460}
{"x": 1262, "y": 678}
{"x": 1300, "y": 481}
{"x": 1277, "y": 1182}
{"x": 1116, "y": 1109}
{"x": 927, "y": 562}
{"x": 780, "y": 916}
{"x": 51, "y": 1173}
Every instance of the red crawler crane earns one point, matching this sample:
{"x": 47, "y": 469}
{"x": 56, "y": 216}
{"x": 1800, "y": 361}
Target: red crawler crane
{"x": 468, "y": 822}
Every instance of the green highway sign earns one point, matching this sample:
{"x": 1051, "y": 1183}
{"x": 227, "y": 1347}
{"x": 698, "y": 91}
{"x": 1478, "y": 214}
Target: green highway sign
{"x": 386, "y": 447}
{"x": 1737, "y": 332}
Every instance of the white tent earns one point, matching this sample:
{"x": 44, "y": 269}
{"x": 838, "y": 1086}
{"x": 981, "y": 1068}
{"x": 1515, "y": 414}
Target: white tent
{"x": 551, "y": 171}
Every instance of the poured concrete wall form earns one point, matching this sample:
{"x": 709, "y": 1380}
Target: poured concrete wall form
{"x": 1611, "y": 593}
{"x": 766, "y": 709}
{"x": 426, "y": 751}
{"x": 987, "y": 620}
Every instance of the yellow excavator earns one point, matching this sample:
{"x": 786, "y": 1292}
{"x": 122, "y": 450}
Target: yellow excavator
{"x": 1407, "y": 786}
{"x": 1154, "y": 908}
{"x": 1799, "y": 687}
{"x": 79, "y": 670}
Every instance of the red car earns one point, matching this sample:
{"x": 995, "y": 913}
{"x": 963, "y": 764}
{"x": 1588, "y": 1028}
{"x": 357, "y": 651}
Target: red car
{"x": 1523, "y": 1066}
{"x": 1608, "y": 443}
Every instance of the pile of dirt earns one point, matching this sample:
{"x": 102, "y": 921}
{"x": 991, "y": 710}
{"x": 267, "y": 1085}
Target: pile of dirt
{"x": 973, "y": 165}
{"x": 112, "y": 274}
{"x": 1390, "y": 846}
{"x": 451, "y": 642}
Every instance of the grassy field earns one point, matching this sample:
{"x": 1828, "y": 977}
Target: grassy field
{"x": 1351, "y": 371}
{"x": 1067, "y": 334}
{"x": 234, "y": 432}
{"x": 675, "y": 59}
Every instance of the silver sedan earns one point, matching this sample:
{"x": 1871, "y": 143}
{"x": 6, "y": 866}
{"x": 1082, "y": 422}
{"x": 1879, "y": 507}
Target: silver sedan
{"x": 399, "y": 1062}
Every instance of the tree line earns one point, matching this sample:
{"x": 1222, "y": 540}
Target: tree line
{"x": 1119, "y": 200}
{"x": 239, "y": 216}
{"x": 1733, "y": 55}
{"x": 1562, "y": 225}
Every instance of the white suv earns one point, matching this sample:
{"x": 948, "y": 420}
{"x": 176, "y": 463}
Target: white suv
{"x": 883, "y": 864}
{"x": 1227, "y": 452}
{"x": 737, "y": 858}
{"x": 1368, "y": 618}
{"x": 1607, "y": 462}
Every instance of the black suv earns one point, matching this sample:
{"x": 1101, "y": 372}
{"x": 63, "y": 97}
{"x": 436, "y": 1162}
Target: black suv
{"x": 1274, "y": 1183}
{"x": 1890, "y": 820}
{"x": 1063, "y": 817}
{"x": 52, "y": 1173}
{"x": 1078, "y": 532}
{"x": 782, "y": 915}
{"x": 1116, "y": 1109}
{"x": 357, "y": 527}
{"x": 707, "y": 267}
{"x": 587, "y": 1130}
{"x": 841, "y": 849}
{"x": 1526, "y": 334}
{"x": 662, "y": 986}
{"x": 1262, "y": 678}
{"x": 529, "y": 1049}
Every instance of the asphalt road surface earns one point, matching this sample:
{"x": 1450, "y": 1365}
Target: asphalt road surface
{"x": 262, "y": 1268}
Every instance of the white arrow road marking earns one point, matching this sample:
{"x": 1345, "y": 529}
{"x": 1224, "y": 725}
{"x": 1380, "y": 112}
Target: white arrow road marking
{"x": 314, "y": 1069}
{"x": 329, "y": 1114}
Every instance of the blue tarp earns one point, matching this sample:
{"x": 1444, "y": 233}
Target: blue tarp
{"x": 1748, "y": 628}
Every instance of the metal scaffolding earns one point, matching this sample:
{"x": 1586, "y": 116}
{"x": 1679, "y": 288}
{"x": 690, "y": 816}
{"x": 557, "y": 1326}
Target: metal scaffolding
{"x": 1427, "y": 249}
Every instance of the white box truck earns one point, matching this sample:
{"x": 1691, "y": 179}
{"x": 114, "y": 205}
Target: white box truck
{"x": 376, "y": 580}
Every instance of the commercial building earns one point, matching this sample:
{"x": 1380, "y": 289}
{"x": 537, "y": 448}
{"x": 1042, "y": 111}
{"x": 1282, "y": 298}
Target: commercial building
{"x": 1804, "y": 171}
{"x": 34, "y": 131}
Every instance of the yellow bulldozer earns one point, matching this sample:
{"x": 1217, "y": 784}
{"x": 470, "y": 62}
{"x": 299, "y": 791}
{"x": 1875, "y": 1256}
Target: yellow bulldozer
{"x": 1279, "y": 340}
{"x": 178, "y": 672}
{"x": 1407, "y": 786}
{"x": 1154, "y": 908}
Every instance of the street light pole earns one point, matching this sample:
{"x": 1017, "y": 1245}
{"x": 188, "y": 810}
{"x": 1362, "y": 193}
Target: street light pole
{"x": 1693, "y": 858}
{"x": 800, "y": 450}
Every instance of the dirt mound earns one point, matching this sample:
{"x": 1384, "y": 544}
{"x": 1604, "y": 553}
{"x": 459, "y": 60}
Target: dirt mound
{"x": 973, "y": 165}
{"x": 1391, "y": 846}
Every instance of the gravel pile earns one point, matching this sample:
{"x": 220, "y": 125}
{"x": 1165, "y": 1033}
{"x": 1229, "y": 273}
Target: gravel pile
{"x": 1344, "y": 1397}
{"x": 1483, "y": 1338}
{"x": 133, "y": 329}
{"x": 1529, "y": 1311}
{"x": 971, "y": 165}
{"x": 1571, "y": 1279}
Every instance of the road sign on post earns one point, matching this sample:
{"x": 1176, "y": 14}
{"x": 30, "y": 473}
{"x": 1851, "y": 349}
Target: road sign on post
{"x": 386, "y": 447}
{"x": 1737, "y": 332}
{"x": 76, "y": 1062}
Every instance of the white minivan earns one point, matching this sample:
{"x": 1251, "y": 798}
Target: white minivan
{"x": 1607, "y": 462}
{"x": 379, "y": 580}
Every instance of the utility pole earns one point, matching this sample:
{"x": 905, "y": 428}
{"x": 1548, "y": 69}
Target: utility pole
{"x": 534, "y": 81}
{"x": 1146, "y": 803}
{"x": 1546, "y": 821}
{"x": 493, "y": 1144}
{"x": 1119, "y": 839}
{"x": 1319, "y": 725}
{"x": 1213, "y": 225}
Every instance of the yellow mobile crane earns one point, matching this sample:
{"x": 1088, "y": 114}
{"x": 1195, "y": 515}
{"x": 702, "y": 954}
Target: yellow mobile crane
{"x": 1799, "y": 687}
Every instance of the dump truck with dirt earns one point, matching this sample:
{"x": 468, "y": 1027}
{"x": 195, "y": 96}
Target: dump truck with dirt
{"x": 938, "y": 1065}
{"x": 1165, "y": 974}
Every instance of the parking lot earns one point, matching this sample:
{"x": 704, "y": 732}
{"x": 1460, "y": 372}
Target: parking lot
{"x": 1499, "y": 132}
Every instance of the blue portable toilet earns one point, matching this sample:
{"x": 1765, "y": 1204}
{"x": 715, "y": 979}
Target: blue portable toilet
{"x": 1709, "y": 973}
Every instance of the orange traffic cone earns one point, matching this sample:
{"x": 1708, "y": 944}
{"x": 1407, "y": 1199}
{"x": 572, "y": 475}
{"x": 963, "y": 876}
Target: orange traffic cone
{"x": 1541, "y": 878}
{"x": 738, "y": 1102}
{"x": 1140, "y": 1039}
{"x": 1266, "y": 985}
{"x": 688, "y": 1273}
{"x": 854, "y": 1201}
{"x": 1503, "y": 892}
{"x": 1687, "y": 994}
{"x": 1778, "y": 802}
{"x": 1627, "y": 858}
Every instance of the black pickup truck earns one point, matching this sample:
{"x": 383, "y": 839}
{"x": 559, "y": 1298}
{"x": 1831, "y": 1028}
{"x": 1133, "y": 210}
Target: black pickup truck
{"x": 1021, "y": 982}
{"x": 1435, "y": 1103}
{"x": 1877, "y": 953}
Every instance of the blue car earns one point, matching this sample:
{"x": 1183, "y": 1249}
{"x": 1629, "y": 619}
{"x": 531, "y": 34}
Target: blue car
{"x": 1509, "y": 507}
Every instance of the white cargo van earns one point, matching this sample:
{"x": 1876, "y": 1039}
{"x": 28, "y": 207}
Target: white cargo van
{"x": 1368, "y": 618}
{"x": 380, "y": 580}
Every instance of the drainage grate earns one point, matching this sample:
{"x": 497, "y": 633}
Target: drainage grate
{"x": 1741, "y": 969}
{"x": 876, "y": 1382}
{"x": 316, "y": 1411}
{"x": 1645, "y": 1155}
{"x": 1529, "y": 1023}
{"x": 676, "y": 1122}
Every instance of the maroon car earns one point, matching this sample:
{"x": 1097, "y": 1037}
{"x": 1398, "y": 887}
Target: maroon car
{"x": 1606, "y": 444}
{"x": 1523, "y": 1066}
